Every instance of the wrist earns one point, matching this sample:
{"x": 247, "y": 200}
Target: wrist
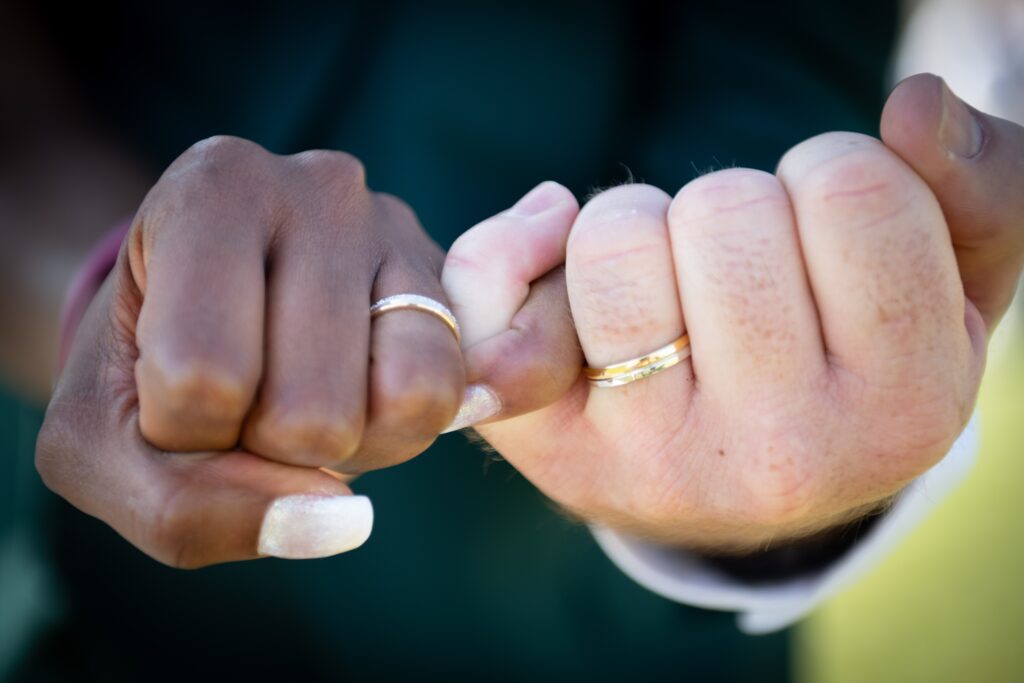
{"x": 785, "y": 559}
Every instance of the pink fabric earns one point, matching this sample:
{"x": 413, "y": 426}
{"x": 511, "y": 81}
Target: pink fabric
{"x": 84, "y": 285}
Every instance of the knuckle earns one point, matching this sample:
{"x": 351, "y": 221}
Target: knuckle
{"x": 194, "y": 393}
{"x": 218, "y": 159}
{"x": 220, "y": 148}
{"x": 207, "y": 173}
{"x": 624, "y": 226}
{"x": 318, "y": 436}
{"x": 700, "y": 202}
{"x": 860, "y": 189}
{"x": 471, "y": 250}
{"x": 619, "y": 223}
{"x": 626, "y": 243}
{"x": 332, "y": 169}
{"x": 396, "y": 208}
{"x": 486, "y": 253}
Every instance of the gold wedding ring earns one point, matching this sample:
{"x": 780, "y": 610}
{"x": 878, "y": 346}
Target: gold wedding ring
{"x": 652, "y": 363}
{"x": 415, "y": 302}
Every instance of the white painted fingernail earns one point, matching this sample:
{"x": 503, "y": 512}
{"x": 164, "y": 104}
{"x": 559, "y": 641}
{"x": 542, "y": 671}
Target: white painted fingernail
{"x": 478, "y": 403}
{"x": 306, "y": 526}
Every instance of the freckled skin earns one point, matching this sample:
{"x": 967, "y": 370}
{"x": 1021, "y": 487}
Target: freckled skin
{"x": 860, "y": 362}
{"x": 829, "y": 355}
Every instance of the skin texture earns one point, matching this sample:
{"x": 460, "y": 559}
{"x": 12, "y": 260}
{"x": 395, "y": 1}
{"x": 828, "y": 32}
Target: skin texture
{"x": 838, "y": 312}
{"x": 835, "y": 353}
{"x": 196, "y": 394}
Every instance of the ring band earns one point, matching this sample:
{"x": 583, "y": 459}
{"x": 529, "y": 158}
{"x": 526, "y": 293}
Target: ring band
{"x": 644, "y": 366}
{"x": 416, "y": 302}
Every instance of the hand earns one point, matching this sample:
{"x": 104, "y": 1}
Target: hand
{"x": 835, "y": 356}
{"x": 235, "y": 328}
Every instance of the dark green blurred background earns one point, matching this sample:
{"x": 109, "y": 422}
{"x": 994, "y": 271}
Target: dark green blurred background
{"x": 458, "y": 108}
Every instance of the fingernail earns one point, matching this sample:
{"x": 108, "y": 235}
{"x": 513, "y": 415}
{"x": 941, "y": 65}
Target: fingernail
{"x": 959, "y": 131}
{"x": 307, "y": 526}
{"x": 538, "y": 200}
{"x": 478, "y": 404}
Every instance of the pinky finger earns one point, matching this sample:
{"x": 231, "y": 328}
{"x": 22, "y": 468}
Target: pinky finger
{"x": 488, "y": 271}
{"x": 529, "y": 366}
{"x": 507, "y": 289}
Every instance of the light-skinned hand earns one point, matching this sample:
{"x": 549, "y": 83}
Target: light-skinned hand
{"x": 838, "y": 313}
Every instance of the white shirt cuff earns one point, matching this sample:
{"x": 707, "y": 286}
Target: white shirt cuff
{"x": 683, "y": 577}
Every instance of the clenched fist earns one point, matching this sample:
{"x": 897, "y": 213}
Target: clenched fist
{"x": 837, "y": 313}
{"x": 231, "y": 353}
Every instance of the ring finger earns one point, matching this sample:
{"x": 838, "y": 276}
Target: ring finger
{"x": 416, "y": 376}
{"x": 622, "y": 291}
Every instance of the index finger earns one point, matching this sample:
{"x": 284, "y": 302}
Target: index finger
{"x": 197, "y": 258}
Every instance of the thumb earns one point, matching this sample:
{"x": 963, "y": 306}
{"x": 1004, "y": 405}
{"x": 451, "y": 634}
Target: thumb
{"x": 507, "y": 289}
{"x": 974, "y": 163}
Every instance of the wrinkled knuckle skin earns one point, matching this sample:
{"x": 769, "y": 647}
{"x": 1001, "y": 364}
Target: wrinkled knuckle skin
{"x": 609, "y": 235}
{"x": 701, "y": 201}
{"x": 310, "y": 437}
{"x": 860, "y": 189}
{"x": 192, "y": 405}
{"x": 209, "y": 173}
